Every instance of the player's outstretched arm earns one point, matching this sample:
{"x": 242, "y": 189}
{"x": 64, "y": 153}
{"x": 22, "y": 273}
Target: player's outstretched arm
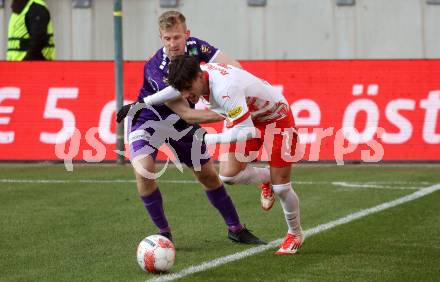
{"x": 169, "y": 93}
{"x": 223, "y": 58}
{"x": 162, "y": 96}
{"x": 180, "y": 106}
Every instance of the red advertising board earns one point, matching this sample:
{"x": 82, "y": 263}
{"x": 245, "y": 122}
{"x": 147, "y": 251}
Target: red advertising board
{"x": 368, "y": 110}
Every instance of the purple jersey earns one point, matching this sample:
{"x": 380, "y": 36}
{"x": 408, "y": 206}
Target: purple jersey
{"x": 156, "y": 71}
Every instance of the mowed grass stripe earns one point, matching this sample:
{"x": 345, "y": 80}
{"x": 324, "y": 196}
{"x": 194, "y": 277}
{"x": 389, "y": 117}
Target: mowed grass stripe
{"x": 366, "y": 185}
{"x": 310, "y": 232}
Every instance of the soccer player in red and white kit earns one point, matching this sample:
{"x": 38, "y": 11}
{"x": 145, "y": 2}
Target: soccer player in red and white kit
{"x": 155, "y": 125}
{"x": 257, "y": 114}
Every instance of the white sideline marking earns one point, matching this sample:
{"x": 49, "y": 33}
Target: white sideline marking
{"x": 372, "y": 185}
{"x": 315, "y": 230}
{"x": 368, "y": 185}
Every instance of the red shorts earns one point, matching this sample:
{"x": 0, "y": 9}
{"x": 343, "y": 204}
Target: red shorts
{"x": 279, "y": 139}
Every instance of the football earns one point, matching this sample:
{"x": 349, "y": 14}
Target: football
{"x": 156, "y": 253}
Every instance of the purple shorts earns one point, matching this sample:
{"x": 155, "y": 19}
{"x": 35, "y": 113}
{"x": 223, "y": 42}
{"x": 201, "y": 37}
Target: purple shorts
{"x": 146, "y": 137}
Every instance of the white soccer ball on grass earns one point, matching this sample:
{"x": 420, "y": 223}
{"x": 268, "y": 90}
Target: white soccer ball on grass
{"x": 156, "y": 253}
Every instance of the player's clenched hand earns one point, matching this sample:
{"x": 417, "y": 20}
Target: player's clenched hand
{"x": 133, "y": 109}
{"x": 122, "y": 113}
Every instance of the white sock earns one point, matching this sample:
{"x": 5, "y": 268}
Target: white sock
{"x": 290, "y": 203}
{"x": 250, "y": 175}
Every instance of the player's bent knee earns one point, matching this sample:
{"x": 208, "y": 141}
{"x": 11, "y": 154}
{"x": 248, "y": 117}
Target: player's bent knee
{"x": 209, "y": 179}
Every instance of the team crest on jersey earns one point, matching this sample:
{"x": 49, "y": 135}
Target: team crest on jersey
{"x": 204, "y": 49}
{"x": 235, "y": 112}
{"x": 193, "y": 52}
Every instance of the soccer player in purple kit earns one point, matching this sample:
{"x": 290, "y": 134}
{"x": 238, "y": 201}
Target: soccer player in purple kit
{"x": 155, "y": 125}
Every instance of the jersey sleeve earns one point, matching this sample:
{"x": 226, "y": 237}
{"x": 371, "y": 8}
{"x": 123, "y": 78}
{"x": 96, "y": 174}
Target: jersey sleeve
{"x": 154, "y": 80}
{"x": 206, "y": 51}
{"x": 154, "y": 77}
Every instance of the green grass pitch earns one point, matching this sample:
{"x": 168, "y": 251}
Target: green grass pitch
{"x": 85, "y": 225}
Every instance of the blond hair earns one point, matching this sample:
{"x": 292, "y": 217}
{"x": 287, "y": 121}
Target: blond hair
{"x": 170, "y": 19}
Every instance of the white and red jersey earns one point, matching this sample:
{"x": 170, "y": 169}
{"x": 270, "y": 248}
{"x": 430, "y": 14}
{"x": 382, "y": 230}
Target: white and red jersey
{"x": 238, "y": 94}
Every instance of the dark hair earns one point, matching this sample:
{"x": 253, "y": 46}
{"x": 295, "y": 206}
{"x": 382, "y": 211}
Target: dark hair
{"x": 182, "y": 72}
